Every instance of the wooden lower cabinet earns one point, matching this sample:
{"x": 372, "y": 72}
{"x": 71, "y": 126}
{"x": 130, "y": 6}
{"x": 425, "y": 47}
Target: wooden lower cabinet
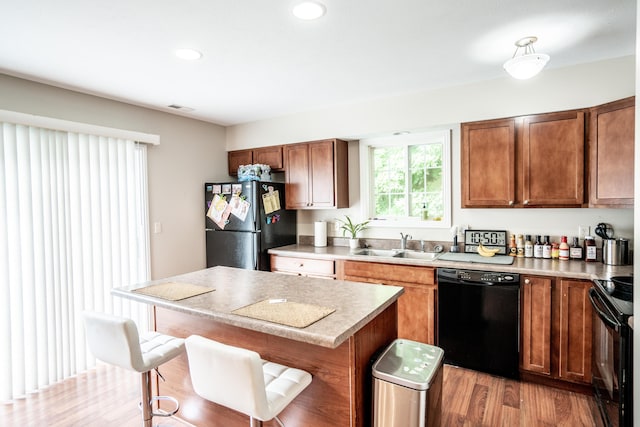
{"x": 556, "y": 322}
{"x": 416, "y": 307}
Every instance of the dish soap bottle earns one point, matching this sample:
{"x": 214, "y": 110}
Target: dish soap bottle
{"x": 424, "y": 212}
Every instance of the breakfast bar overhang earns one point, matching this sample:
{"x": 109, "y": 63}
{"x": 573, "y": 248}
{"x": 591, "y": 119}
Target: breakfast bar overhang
{"x": 336, "y": 349}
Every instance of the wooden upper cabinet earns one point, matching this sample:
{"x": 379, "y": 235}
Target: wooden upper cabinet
{"x": 271, "y": 156}
{"x": 611, "y": 154}
{"x": 488, "y": 163}
{"x": 530, "y": 161}
{"x": 316, "y": 175}
{"x": 553, "y": 159}
{"x": 237, "y": 158}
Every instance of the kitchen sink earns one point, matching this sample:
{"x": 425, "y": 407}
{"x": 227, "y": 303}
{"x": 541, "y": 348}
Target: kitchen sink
{"x": 376, "y": 252}
{"x": 396, "y": 253}
{"x": 427, "y": 256}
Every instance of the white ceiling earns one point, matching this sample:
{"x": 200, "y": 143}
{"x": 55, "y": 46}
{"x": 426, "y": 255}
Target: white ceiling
{"x": 261, "y": 62}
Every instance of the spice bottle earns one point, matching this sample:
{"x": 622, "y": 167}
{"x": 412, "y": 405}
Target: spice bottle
{"x": 537, "y": 248}
{"x": 564, "y": 249}
{"x": 590, "y": 251}
{"x": 520, "y": 246}
{"x": 513, "y": 248}
{"x": 528, "y": 247}
{"x": 546, "y": 248}
{"x": 575, "y": 252}
{"x": 555, "y": 250}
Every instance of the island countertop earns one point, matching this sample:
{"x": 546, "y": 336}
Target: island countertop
{"x": 355, "y": 304}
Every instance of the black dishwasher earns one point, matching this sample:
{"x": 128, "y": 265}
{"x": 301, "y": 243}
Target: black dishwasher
{"x": 478, "y": 320}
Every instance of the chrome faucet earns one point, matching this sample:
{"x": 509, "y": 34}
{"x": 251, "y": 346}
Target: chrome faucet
{"x": 403, "y": 241}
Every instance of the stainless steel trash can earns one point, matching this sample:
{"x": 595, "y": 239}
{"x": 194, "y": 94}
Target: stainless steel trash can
{"x": 407, "y": 385}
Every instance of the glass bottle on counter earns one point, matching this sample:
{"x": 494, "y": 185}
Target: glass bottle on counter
{"x": 575, "y": 251}
{"x": 590, "y": 251}
{"x": 528, "y": 247}
{"x": 537, "y": 248}
{"x": 555, "y": 250}
{"x": 546, "y": 248}
{"x": 520, "y": 246}
{"x": 564, "y": 249}
{"x": 513, "y": 248}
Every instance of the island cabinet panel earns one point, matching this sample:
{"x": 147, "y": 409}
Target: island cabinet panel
{"x": 416, "y": 307}
{"x": 488, "y": 163}
{"x": 553, "y": 159}
{"x": 556, "y": 327}
{"x": 340, "y": 391}
{"x": 316, "y": 174}
{"x": 611, "y": 154}
{"x": 320, "y": 268}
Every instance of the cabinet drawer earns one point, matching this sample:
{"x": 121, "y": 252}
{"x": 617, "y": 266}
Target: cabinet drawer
{"x": 305, "y": 266}
{"x": 388, "y": 274}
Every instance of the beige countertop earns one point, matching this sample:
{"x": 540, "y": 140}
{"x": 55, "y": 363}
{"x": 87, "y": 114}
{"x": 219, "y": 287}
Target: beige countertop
{"x": 544, "y": 267}
{"x": 355, "y": 304}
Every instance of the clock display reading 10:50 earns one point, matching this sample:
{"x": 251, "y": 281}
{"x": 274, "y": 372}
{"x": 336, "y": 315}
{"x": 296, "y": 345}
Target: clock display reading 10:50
{"x": 486, "y": 237}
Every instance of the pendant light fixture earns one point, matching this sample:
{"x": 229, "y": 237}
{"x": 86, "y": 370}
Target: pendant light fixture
{"x": 529, "y": 63}
{"x": 309, "y": 10}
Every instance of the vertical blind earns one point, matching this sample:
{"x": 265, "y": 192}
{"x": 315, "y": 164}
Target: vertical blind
{"x": 73, "y": 225}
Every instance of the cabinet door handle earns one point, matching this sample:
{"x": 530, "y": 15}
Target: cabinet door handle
{"x": 526, "y": 202}
{"x": 510, "y": 202}
{"x": 527, "y": 281}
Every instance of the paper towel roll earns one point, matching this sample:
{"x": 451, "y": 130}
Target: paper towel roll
{"x": 320, "y": 233}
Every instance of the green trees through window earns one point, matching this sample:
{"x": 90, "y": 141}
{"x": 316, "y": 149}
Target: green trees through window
{"x": 407, "y": 175}
{"x": 407, "y": 178}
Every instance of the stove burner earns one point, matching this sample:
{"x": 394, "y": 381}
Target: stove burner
{"x": 622, "y": 287}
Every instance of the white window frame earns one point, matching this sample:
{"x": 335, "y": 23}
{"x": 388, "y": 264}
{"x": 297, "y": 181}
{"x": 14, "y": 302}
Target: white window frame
{"x": 366, "y": 181}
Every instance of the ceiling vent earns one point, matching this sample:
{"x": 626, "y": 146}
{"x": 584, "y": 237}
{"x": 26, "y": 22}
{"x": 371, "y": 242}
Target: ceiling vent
{"x": 180, "y": 108}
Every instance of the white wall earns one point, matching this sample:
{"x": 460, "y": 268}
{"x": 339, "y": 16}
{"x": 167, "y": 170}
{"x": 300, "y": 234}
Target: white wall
{"x": 553, "y": 90}
{"x": 190, "y": 153}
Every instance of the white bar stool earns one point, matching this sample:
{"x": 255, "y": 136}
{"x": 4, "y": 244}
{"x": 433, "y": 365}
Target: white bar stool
{"x": 238, "y": 379}
{"x": 115, "y": 340}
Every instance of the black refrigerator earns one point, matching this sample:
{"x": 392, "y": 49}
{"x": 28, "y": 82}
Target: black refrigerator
{"x": 244, "y": 220}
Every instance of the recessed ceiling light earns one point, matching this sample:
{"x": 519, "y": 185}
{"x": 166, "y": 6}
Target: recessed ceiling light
{"x": 188, "y": 54}
{"x": 309, "y": 10}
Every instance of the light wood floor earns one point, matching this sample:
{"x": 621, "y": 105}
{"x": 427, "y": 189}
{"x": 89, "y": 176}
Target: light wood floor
{"x": 108, "y": 396}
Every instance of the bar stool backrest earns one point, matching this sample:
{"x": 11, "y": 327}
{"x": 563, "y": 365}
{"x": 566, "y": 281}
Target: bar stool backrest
{"x": 114, "y": 340}
{"x": 229, "y": 376}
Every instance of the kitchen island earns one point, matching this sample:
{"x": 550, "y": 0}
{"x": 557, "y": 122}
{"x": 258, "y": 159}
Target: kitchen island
{"x": 336, "y": 349}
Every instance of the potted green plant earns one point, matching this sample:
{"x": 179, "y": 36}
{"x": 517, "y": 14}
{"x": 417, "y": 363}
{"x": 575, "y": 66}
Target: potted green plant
{"x": 352, "y": 229}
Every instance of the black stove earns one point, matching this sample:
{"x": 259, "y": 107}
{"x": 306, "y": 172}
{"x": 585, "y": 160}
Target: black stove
{"x": 612, "y": 366}
{"x": 619, "y": 297}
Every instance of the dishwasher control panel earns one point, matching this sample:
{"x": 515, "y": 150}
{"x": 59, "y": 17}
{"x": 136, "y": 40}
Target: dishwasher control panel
{"x": 477, "y": 276}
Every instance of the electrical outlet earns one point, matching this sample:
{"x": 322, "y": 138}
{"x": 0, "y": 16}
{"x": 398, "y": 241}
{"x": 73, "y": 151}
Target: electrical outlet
{"x": 583, "y": 231}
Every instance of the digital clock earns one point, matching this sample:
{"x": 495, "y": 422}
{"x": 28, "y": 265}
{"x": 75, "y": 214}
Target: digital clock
{"x": 492, "y": 239}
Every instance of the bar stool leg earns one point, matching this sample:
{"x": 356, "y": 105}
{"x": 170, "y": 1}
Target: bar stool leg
{"x": 147, "y": 413}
